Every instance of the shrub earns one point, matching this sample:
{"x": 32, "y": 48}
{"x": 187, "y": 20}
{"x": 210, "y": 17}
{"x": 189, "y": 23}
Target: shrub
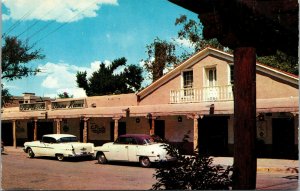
{"x": 192, "y": 172}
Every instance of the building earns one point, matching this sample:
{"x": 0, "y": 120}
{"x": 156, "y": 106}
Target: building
{"x": 194, "y": 99}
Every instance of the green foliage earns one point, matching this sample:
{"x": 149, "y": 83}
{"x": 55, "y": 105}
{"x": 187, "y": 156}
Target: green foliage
{"x": 164, "y": 56}
{"x": 15, "y": 55}
{"x": 65, "y": 95}
{"x": 192, "y": 31}
{"x": 194, "y": 172}
{"x": 281, "y": 61}
{"x": 5, "y": 96}
{"x": 106, "y": 81}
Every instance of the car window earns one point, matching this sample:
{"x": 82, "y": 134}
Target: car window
{"x": 67, "y": 139}
{"x": 126, "y": 140}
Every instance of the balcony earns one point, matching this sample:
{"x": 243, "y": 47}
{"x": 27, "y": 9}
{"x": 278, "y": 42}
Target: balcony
{"x": 206, "y": 94}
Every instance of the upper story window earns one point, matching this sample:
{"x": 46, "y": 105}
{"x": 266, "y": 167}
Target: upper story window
{"x": 188, "y": 79}
{"x": 211, "y": 76}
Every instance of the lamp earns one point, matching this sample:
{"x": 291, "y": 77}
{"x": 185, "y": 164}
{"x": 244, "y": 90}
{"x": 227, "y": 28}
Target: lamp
{"x": 137, "y": 120}
{"x": 179, "y": 119}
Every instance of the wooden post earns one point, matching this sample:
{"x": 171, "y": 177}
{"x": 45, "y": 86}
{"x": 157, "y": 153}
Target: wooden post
{"x": 152, "y": 130}
{"x": 14, "y": 134}
{"x": 35, "y": 130}
{"x": 196, "y": 117}
{"x": 116, "y": 129}
{"x": 58, "y": 125}
{"x": 244, "y": 174}
{"x": 85, "y": 130}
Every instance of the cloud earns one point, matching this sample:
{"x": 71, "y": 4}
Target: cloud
{"x": 184, "y": 42}
{"x": 61, "y": 77}
{"x": 58, "y": 10}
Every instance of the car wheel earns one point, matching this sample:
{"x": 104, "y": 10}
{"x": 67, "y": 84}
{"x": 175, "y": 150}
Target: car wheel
{"x": 60, "y": 157}
{"x": 145, "y": 162}
{"x": 101, "y": 158}
{"x": 30, "y": 153}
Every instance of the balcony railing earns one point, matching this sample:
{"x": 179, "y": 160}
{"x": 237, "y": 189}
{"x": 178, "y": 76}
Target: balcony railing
{"x": 33, "y": 106}
{"x": 206, "y": 94}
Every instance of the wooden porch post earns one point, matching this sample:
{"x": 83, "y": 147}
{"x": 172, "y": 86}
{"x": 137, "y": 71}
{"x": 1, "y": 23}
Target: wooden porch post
{"x": 14, "y": 134}
{"x": 35, "y": 130}
{"x": 58, "y": 125}
{"x": 244, "y": 118}
{"x": 196, "y": 117}
{"x": 152, "y": 130}
{"x": 85, "y": 129}
{"x": 116, "y": 127}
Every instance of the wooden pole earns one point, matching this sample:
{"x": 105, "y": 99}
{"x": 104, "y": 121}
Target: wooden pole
{"x": 35, "y": 130}
{"x": 14, "y": 134}
{"x": 244, "y": 174}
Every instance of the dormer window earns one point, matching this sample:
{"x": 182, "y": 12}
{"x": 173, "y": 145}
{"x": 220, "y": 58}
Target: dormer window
{"x": 188, "y": 79}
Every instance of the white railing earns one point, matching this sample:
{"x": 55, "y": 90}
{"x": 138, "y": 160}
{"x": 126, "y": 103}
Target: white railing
{"x": 215, "y": 93}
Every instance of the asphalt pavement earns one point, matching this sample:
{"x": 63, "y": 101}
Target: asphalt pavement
{"x": 263, "y": 164}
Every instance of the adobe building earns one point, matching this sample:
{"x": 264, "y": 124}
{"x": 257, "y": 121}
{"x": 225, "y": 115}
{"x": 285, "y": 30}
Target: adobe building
{"x": 194, "y": 99}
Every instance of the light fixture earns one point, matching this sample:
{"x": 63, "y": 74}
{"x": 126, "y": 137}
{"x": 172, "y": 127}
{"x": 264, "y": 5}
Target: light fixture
{"x": 179, "y": 119}
{"x": 137, "y": 120}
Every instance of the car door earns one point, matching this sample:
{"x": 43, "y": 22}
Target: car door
{"x": 47, "y": 146}
{"x": 119, "y": 150}
{"x": 132, "y": 150}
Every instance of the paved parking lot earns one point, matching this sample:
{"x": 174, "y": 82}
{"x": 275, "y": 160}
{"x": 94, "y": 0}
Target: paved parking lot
{"x": 20, "y": 172}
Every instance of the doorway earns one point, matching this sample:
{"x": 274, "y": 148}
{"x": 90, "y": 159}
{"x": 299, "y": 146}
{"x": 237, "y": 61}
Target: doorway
{"x": 159, "y": 129}
{"x": 213, "y": 135}
{"x": 283, "y": 137}
{"x": 121, "y": 129}
{"x": 7, "y": 134}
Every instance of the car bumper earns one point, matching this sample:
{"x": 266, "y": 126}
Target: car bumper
{"x": 81, "y": 155}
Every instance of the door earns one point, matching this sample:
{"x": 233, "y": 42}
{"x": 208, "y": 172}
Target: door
{"x": 7, "y": 134}
{"x": 44, "y": 128}
{"x": 213, "y": 135}
{"x": 159, "y": 129}
{"x": 283, "y": 137}
{"x": 211, "y": 90}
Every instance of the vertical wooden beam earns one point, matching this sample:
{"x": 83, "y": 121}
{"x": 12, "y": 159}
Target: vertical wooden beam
{"x": 152, "y": 130}
{"x": 244, "y": 175}
{"x": 116, "y": 129}
{"x": 14, "y": 134}
{"x": 35, "y": 130}
{"x": 58, "y": 125}
{"x": 85, "y": 130}
{"x": 196, "y": 117}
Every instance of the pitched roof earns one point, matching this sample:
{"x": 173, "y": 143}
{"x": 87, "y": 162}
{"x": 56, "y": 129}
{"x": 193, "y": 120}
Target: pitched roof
{"x": 221, "y": 55}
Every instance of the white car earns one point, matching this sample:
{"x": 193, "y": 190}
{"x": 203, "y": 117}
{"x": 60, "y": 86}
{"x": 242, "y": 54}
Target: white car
{"x": 59, "y": 146}
{"x": 133, "y": 148}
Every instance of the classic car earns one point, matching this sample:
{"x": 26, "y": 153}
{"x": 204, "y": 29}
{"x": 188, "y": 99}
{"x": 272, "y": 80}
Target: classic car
{"x": 59, "y": 146}
{"x": 133, "y": 148}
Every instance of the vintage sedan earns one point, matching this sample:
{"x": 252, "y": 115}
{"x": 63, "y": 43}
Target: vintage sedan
{"x": 59, "y": 146}
{"x": 133, "y": 148}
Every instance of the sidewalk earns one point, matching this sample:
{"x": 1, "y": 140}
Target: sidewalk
{"x": 263, "y": 164}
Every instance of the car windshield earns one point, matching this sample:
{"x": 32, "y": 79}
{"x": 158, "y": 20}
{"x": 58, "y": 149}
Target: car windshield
{"x": 67, "y": 139}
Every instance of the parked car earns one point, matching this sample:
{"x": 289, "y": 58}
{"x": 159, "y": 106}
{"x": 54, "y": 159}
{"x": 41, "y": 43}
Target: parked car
{"x": 59, "y": 146}
{"x": 133, "y": 148}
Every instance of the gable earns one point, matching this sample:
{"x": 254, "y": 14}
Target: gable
{"x": 211, "y": 53}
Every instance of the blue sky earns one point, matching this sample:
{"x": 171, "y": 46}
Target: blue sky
{"x": 77, "y": 35}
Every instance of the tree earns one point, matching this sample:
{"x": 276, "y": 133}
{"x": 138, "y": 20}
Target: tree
{"x": 65, "y": 95}
{"x": 192, "y": 31}
{"x": 107, "y": 81}
{"x": 164, "y": 56}
{"x": 16, "y": 55}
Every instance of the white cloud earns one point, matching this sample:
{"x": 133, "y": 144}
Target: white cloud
{"x": 184, "y": 42}
{"x": 58, "y": 10}
{"x": 61, "y": 77}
